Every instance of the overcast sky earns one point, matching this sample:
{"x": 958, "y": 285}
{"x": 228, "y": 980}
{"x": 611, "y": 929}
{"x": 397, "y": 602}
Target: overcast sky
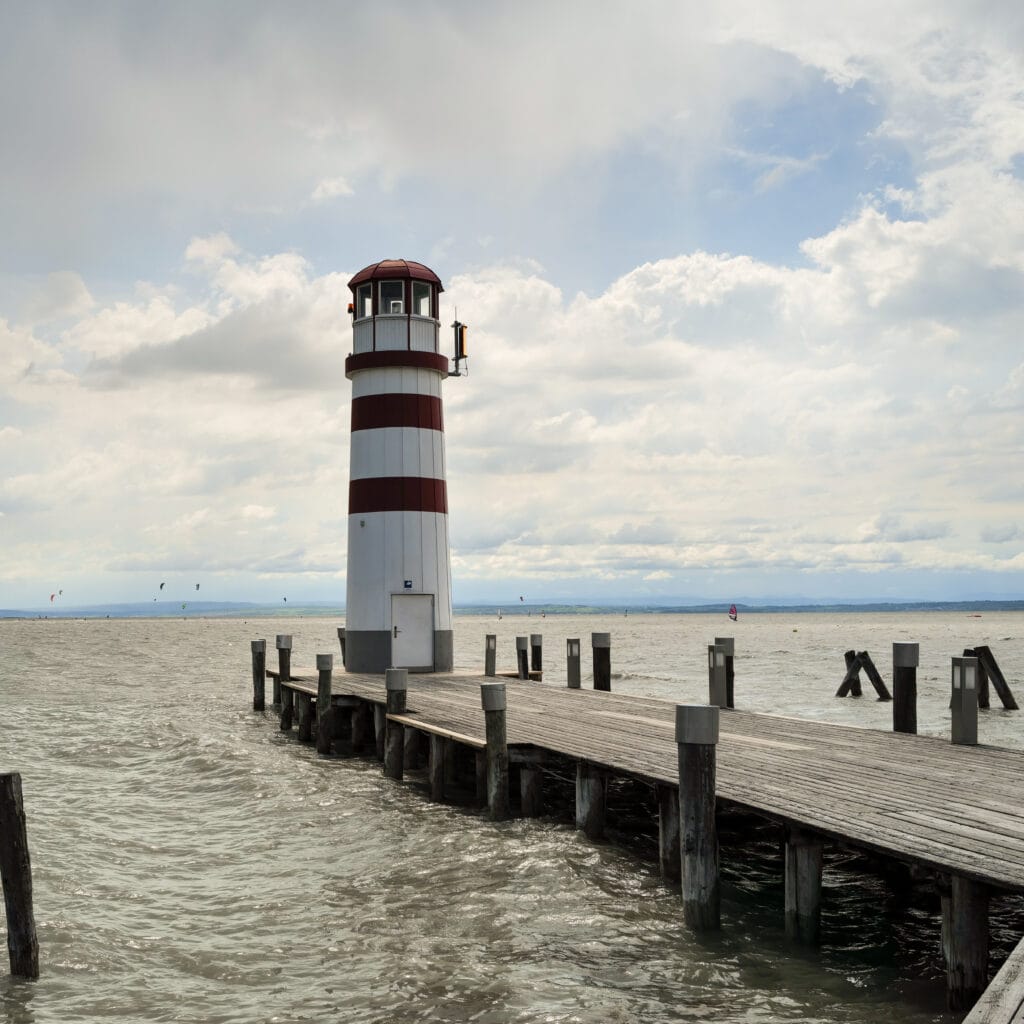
{"x": 744, "y": 287}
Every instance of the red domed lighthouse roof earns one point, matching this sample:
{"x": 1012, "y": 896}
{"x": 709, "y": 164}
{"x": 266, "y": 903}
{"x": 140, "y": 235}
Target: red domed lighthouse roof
{"x": 393, "y": 270}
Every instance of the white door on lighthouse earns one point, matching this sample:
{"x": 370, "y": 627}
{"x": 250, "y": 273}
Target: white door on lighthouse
{"x": 412, "y": 631}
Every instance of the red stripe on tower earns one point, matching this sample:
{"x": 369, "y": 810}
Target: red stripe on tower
{"x": 375, "y": 412}
{"x": 397, "y": 494}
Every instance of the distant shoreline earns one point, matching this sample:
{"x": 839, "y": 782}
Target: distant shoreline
{"x": 242, "y": 610}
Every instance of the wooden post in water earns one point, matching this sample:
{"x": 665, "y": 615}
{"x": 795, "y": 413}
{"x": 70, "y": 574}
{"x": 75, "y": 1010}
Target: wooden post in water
{"x": 490, "y": 654}
{"x": 572, "y": 664}
{"x": 995, "y": 673}
{"x": 536, "y": 652}
{"x": 259, "y": 674}
{"x": 306, "y": 712}
{"x": 522, "y": 657}
{"x": 286, "y": 699}
{"x": 697, "y": 736}
{"x": 905, "y": 659}
{"x": 16, "y": 877}
{"x": 325, "y": 713}
{"x": 717, "y": 695}
{"x": 493, "y": 701}
{"x": 983, "y": 697}
{"x": 284, "y": 664}
{"x": 965, "y": 937}
{"x": 531, "y": 782}
{"x": 728, "y": 645}
{"x": 436, "y": 767}
{"x": 601, "y": 645}
{"x": 379, "y": 728}
{"x": 590, "y": 799}
{"x": 668, "y": 832}
{"x": 874, "y": 676}
{"x": 362, "y": 727}
{"x": 851, "y": 681}
{"x": 396, "y": 683}
{"x": 341, "y": 641}
{"x": 803, "y": 887}
{"x": 964, "y": 724}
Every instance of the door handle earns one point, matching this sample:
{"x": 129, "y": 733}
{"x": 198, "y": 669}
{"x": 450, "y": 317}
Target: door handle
{"x": 395, "y": 631}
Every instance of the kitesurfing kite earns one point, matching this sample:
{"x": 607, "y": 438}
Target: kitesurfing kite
{"x": 161, "y": 586}
{"x": 52, "y": 596}
{"x": 732, "y": 612}
{"x": 197, "y": 586}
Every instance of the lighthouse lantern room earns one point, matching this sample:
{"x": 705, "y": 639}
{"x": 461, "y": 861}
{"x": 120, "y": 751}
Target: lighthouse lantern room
{"x": 399, "y": 605}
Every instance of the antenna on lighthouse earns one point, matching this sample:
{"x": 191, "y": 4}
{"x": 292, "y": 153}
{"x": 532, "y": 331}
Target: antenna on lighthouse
{"x": 460, "y": 347}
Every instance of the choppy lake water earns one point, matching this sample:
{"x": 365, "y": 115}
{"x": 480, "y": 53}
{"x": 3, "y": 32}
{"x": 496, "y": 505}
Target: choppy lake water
{"x": 192, "y": 864}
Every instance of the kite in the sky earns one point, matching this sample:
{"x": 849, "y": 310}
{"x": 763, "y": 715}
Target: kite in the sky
{"x": 197, "y": 586}
{"x": 52, "y": 596}
{"x": 161, "y": 586}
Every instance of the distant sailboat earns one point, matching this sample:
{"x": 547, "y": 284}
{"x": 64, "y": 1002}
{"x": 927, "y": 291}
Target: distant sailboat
{"x": 732, "y": 612}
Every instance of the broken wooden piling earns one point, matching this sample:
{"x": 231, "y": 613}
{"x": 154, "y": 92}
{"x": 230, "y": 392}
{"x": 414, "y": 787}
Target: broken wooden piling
{"x": 259, "y": 674}
{"x": 16, "y": 878}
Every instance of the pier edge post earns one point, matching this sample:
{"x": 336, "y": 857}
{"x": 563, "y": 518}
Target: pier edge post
{"x": 803, "y": 886}
{"x": 717, "y": 695}
{"x": 325, "y": 713}
{"x": 964, "y": 718}
{"x": 490, "y": 654}
{"x": 396, "y": 683}
{"x": 728, "y": 645}
{"x": 259, "y": 674}
{"x": 697, "y": 737}
{"x": 601, "y": 647}
{"x": 494, "y": 703}
{"x": 905, "y": 659}
{"x": 572, "y": 663}
{"x": 16, "y": 877}
{"x": 522, "y": 657}
{"x": 536, "y": 652}
{"x": 283, "y": 642}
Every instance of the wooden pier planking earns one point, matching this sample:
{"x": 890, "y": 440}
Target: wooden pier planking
{"x": 954, "y": 809}
{"x": 1003, "y": 1000}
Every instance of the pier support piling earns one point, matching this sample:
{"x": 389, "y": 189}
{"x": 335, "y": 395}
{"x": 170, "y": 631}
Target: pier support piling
{"x": 286, "y": 702}
{"x": 601, "y": 645}
{"x": 905, "y": 659}
{"x": 379, "y": 728}
{"x": 697, "y": 737}
{"x": 436, "y": 767}
{"x": 259, "y": 674}
{"x": 590, "y": 799}
{"x": 326, "y": 715}
{"x": 572, "y": 664}
{"x": 668, "y": 832}
{"x": 490, "y": 654}
{"x": 396, "y": 683}
{"x": 306, "y": 716}
{"x": 493, "y": 701}
{"x": 531, "y": 782}
{"x": 16, "y": 877}
{"x": 803, "y": 887}
{"x": 965, "y": 937}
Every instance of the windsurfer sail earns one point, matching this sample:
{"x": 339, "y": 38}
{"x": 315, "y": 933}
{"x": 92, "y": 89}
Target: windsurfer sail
{"x": 732, "y": 612}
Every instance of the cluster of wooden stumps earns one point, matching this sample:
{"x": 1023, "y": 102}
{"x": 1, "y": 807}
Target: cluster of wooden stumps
{"x": 971, "y": 675}
{"x": 16, "y": 876}
{"x": 688, "y": 848}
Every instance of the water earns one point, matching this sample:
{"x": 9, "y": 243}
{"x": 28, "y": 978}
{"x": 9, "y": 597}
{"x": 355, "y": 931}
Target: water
{"x": 192, "y": 864}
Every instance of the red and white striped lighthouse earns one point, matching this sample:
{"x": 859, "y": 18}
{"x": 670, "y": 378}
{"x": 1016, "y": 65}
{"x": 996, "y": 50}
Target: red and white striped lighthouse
{"x": 399, "y": 604}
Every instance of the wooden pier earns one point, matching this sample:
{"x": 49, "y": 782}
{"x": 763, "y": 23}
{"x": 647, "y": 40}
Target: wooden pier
{"x": 952, "y": 810}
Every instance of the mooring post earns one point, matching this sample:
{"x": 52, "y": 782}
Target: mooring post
{"x": 696, "y": 737}
{"x": 259, "y": 674}
{"x": 717, "y": 694}
{"x": 905, "y": 659}
{"x": 493, "y": 701}
{"x": 601, "y": 645}
{"x": 490, "y": 654}
{"x": 286, "y": 702}
{"x": 341, "y": 641}
{"x": 325, "y": 713}
{"x": 572, "y": 664}
{"x": 522, "y": 657}
{"x": 803, "y": 886}
{"x": 16, "y": 878}
{"x": 536, "y": 652}
{"x": 284, "y": 664}
{"x": 590, "y": 799}
{"x": 396, "y": 684}
{"x": 728, "y": 645}
{"x": 965, "y": 938}
{"x": 964, "y": 726}
{"x": 668, "y": 832}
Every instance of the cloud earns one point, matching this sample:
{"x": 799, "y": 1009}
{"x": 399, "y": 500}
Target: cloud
{"x": 331, "y": 188}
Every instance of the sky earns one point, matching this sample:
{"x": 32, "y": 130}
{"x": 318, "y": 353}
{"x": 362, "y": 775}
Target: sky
{"x": 744, "y": 285}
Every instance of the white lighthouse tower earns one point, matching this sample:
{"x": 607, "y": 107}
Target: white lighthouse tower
{"x": 399, "y": 601}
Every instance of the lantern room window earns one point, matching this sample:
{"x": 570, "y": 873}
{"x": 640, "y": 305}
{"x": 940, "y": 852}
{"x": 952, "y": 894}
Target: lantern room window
{"x": 392, "y": 297}
{"x": 364, "y": 301}
{"x": 421, "y": 298}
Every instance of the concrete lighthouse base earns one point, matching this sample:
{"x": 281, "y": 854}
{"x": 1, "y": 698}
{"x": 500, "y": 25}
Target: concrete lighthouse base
{"x": 369, "y": 650}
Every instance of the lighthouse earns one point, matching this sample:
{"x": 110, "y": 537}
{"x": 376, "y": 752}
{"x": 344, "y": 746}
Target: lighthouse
{"x": 399, "y": 603}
